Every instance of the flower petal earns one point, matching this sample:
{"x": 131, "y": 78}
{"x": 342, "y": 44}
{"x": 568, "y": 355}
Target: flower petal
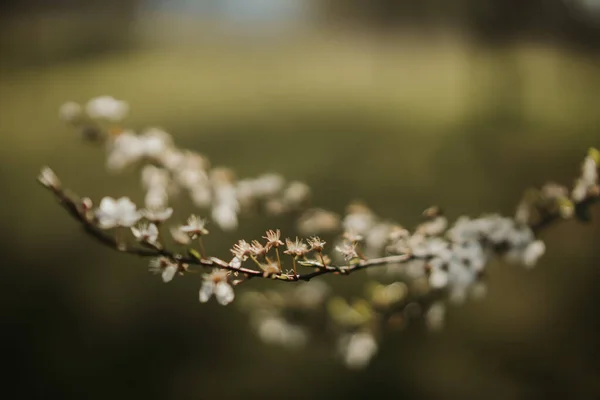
{"x": 108, "y": 205}
{"x": 224, "y": 293}
{"x": 206, "y": 290}
{"x": 169, "y": 273}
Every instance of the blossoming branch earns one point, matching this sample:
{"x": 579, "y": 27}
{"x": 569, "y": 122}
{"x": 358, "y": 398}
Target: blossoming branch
{"x": 434, "y": 260}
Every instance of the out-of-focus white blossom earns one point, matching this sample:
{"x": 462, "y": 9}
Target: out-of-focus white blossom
{"x": 155, "y": 142}
{"x": 179, "y": 237}
{"x": 191, "y": 178}
{"x": 275, "y": 330}
{"x": 266, "y": 185}
{"x": 196, "y": 226}
{"x": 225, "y": 216}
{"x": 358, "y": 349}
{"x": 359, "y": 219}
{"x": 156, "y": 198}
{"x": 318, "y": 221}
{"x": 157, "y": 214}
{"x": 165, "y": 267}
{"x": 438, "y": 278}
{"x": 70, "y": 111}
{"x": 434, "y": 227}
{"x": 377, "y": 238}
{"x": 533, "y": 252}
{"x": 48, "y": 178}
{"x": 201, "y": 196}
{"x": 296, "y": 194}
{"x": 347, "y": 250}
{"x": 580, "y": 191}
{"x": 216, "y": 284}
{"x": 589, "y": 177}
{"x": 107, "y": 108}
{"x": 112, "y": 213}
{"x": 125, "y": 149}
{"x": 145, "y": 232}
{"x": 589, "y": 171}
{"x": 153, "y": 177}
{"x": 434, "y": 318}
{"x": 235, "y": 263}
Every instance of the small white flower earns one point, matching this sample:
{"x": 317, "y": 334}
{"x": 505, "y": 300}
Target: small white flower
{"x": 438, "y": 278}
{"x": 235, "y": 263}
{"x": 113, "y": 213}
{"x": 165, "y": 267}
{"x": 153, "y": 177}
{"x": 434, "y": 227}
{"x": 125, "y": 149}
{"x": 70, "y": 111}
{"x": 359, "y": 222}
{"x": 195, "y": 226}
{"x": 358, "y": 349}
{"x": 296, "y": 193}
{"x": 267, "y": 185}
{"x": 155, "y": 141}
{"x": 225, "y": 217}
{"x": 106, "y": 107}
{"x": 145, "y": 232}
{"x": 276, "y": 330}
{"x": 589, "y": 171}
{"x": 216, "y": 284}
{"x": 48, "y": 178}
{"x": 533, "y": 252}
{"x": 201, "y": 195}
{"x": 580, "y": 191}
{"x": 157, "y": 215}
{"x": 179, "y": 237}
{"x": 156, "y": 198}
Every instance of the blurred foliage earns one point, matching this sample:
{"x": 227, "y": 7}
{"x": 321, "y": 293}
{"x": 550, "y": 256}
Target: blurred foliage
{"x": 399, "y": 122}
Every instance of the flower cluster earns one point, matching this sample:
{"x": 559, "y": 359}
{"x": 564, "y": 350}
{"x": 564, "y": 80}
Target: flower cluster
{"x": 262, "y": 254}
{"x": 422, "y": 267}
{"x": 168, "y": 170}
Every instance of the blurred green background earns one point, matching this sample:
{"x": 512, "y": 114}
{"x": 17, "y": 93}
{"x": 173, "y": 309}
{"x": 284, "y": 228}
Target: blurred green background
{"x": 401, "y": 104}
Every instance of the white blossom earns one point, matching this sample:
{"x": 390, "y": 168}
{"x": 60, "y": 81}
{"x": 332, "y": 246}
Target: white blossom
{"x": 156, "y": 198}
{"x": 70, "y": 111}
{"x": 165, "y": 267}
{"x": 155, "y": 142}
{"x": 179, "y": 237}
{"x": 145, "y": 232}
{"x": 195, "y": 226}
{"x": 266, "y": 185}
{"x": 296, "y": 193}
{"x": 580, "y": 191}
{"x": 158, "y": 214}
{"x": 225, "y": 217}
{"x": 124, "y": 150}
{"x": 106, "y": 107}
{"x": 276, "y": 330}
{"x": 153, "y": 177}
{"x": 112, "y": 213}
{"x": 216, "y": 284}
{"x": 533, "y": 252}
{"x": 357, "y": 349}
{"x": 201, "y": 195}
{"x": 434, "y": 227}
{"x": 359, "y": 222}
{"x": 589, "y": 171}
{"x": 235, "y": 263}
{"x": 48, "y": 178}
{"x": 438, "y": 278}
